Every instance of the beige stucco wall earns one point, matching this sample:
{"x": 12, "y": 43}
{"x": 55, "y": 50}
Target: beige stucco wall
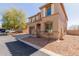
{"x": 53, "y": 19}
{"x": 62, "y": 21}
{"x": 59, "y": 21}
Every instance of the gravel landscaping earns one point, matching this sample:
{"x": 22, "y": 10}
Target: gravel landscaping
{"x": 68, "y": 47}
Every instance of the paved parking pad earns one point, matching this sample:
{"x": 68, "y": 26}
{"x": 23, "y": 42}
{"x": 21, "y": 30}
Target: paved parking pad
{"x": 18, "y": 48}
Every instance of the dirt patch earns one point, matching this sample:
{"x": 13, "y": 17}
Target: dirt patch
{"x": 69, "y": 46}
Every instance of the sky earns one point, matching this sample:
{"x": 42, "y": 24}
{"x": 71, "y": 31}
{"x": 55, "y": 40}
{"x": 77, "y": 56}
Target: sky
{"x": 30, "y": 9}
{"x": 72, "y": 11}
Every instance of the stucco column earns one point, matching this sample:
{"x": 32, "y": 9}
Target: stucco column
{"x": 52, "y": 8}
{"x": 42, "y": 27}
{"x": 35, "y": 29}
{"x": 43, "y": 12}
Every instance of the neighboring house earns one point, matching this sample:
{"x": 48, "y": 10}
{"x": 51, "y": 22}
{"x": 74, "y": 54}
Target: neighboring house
{"x": 50, "y": 22}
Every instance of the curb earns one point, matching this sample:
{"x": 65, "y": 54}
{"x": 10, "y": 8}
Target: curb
{"x": 50, "y": 53}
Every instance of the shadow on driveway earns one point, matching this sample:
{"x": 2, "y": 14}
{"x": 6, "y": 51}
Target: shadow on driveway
{"x": 18, "y": 48}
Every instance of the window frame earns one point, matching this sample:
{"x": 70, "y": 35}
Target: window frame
{"x": 48, "y": 11}
{"x": 48, "y": 27}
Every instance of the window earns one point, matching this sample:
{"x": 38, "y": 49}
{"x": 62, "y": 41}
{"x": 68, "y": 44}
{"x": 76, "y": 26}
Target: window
{"x": 37, "y": 17}
{"x": 48, "y": 27}
{"x": 48, "y": 13}
{"x": 30, "y": 20}
{"x": 33, "y": 19}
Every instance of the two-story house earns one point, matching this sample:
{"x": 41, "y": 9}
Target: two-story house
{"x": 51, "y": 21}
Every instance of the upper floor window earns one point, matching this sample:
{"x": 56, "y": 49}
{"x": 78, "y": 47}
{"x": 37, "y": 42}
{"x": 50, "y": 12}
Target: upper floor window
{"x": 38, "y": 17}
{"x": 48, "y": 13}
{"x": 33, "y": 19}
{"x": 30, "y": 20}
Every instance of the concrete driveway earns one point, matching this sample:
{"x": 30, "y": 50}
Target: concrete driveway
{"x": 9, "y": 46}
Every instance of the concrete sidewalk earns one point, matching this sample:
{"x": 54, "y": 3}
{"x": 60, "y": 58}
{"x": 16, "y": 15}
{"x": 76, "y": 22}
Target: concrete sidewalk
{"x": 4, "y": 51}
